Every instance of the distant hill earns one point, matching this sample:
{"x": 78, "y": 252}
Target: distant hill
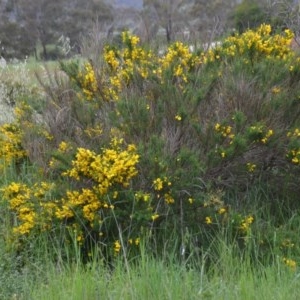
{"x": 138, "y": 4}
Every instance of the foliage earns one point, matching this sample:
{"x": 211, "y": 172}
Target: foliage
{"x": 143, "y": 146}
{"x": 169, "y": 15}
{"x": 34, "y": 23}
{"x": 231, "y": 278}
{"x": 248, "y": 15}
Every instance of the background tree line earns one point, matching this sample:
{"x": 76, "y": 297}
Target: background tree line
{"x": 30, "y": 26}
{"x": 212, "y": 19}
{"x": 41, "y": 28}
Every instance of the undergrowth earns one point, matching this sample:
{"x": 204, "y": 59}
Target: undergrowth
{"x": 176, "y": 151}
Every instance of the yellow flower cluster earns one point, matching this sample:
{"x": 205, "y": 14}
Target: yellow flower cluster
{"x": 22, "y": 111}
{"x": 17, "y": 193}
{"x": 158, "y": 184}
{"x": 295, "y": 133}
{"x": 64, "y": 147}
{"x": 10, "y": 144}
{"x": 180, "y": 59}
{"x": 113, "y": 166}
{"x": 251, "y": 167}
{"x": 108, "y": 171}
{"x": 259, "y": 43}
{"x": 142, "y": 196}
{"x": 117, "y": 247}
{"x": 215, "y": 209}
{"x": 260, "y": 133}
{"x": 125, "y": 63}
{"x": 111, "y": 57}
{"x": 246, "y": 223}
{"x": 87, "y": 200}
{"x": 294, "y": 153}
{"x": 290, "y": 263}
{"x": 132, "y": 60}
{"x": 163, "y": 185}
{"x": 208, "y": 220}
{"x": 154, "y": 217}
{"x": 135, "y": 241}
{"x": 88, "y": 81}
{"x": 224, "y": 130}
{"x": 276, "y": 90}
{"x": 178, "y": 118}
{"x": 226, "y": 133}
{"x": 29, "y": 205}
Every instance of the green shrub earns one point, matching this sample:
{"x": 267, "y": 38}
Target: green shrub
{"x": 144, "y": 146}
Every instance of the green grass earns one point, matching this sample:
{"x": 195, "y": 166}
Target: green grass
{"x": 230, "y": 275}
{"x": 149, "y": 278}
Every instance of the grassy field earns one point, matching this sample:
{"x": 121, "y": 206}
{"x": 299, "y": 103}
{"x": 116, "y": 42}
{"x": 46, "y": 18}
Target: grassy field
{"x": 231, "y": 277}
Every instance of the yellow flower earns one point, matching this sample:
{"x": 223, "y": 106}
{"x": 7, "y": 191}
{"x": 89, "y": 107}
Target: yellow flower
{"x": 178, "y": 118}
{"x": 158, "y": 184}
{"x": 169, "y": 199}
{"x": 117, "y": 247}
{"x": 276, "y": 90}
{"x": 135, "y": 241}
{"x": 146, "y": 197}
{"x": 249, "y": 220}
{"x": 208, "y": 220}
{"x": 245, "y": 224}
{"x": 79, "y": 238}
{"x": 135, "y": 40}
{"x": 63, "y": 146}
{"x": 217, "y": 127}
{"x": 222, "y": 210}
{"x": 290, "y": 263}
{"x": 154, "y": 217}
{"x": 178, "y": 71}
{"x": 251, "y": 167}
{"x": 228, "y": 130}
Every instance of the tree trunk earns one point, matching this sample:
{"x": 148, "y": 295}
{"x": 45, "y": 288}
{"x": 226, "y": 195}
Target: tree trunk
{"x": 169, "y": 31}
{"x": 45, "y": 54}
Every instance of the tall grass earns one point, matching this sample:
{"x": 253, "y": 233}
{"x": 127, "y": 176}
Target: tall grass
{"x": 230, "y": 277}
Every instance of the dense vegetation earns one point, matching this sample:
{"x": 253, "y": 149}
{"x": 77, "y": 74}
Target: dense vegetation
{"x": 51, "y": 30}
{"x": 182, "y": 158}
{"x": 47, "y": 29}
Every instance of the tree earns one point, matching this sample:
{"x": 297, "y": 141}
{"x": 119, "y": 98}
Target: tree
{"x": 249, "y": 14}
{"x": 169, "y": 14}
{"x": 13, "y": 38}
{"x": 30, "y": 22}
{"x": 42, "y": 21}
{"x": 81, "y": 15}
{"x": 210, "y": 17}
{"x": 285, "y": 14}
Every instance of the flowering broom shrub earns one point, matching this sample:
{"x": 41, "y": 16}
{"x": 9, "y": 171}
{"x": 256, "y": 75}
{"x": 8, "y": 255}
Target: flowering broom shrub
{"x": 149, "y": 145}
